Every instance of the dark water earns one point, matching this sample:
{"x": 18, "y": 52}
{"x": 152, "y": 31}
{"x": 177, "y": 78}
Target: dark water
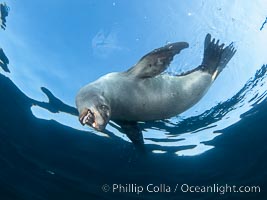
{"x": 45, "y": 160}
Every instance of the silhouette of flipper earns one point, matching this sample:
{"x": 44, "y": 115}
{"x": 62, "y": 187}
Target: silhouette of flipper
{"x": 4, "y": 9}
{"x": 4, "y": 61}
{"x": 55, "y": 105}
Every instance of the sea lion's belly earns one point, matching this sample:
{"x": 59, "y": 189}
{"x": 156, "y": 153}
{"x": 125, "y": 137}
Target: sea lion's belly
{"x": 155, "y": 98}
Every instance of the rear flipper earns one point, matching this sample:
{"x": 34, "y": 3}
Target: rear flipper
{"x": 215, "y": 56}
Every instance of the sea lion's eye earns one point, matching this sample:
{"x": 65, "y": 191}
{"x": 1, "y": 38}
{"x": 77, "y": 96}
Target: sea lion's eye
{"x": 103, "y": 107}
{"x": 104, "y": 111}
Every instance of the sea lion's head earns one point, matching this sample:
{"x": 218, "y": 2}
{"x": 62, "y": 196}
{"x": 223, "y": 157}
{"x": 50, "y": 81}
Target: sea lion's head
{"x": 94, "y": 110}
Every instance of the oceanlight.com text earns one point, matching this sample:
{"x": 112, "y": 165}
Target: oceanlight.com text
{"x": 179, "y": 188}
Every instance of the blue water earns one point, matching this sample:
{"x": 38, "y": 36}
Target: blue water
{"x": 51, "y": 48}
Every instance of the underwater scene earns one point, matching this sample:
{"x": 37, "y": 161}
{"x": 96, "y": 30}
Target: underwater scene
{"x": 212, "y": 145}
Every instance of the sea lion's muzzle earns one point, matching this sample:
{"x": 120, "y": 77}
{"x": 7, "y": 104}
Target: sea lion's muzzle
{"x": 87, "y": 117}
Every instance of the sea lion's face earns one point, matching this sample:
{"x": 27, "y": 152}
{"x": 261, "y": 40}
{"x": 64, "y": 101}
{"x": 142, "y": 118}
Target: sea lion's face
{"x": 95, "y": 116}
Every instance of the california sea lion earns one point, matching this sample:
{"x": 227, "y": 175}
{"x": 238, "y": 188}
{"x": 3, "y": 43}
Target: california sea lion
{"x": 143, "y": 93}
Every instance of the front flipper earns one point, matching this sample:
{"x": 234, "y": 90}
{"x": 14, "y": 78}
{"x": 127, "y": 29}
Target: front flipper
{"x": 156, "y": 61}
{"x": 133, "y": 132}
